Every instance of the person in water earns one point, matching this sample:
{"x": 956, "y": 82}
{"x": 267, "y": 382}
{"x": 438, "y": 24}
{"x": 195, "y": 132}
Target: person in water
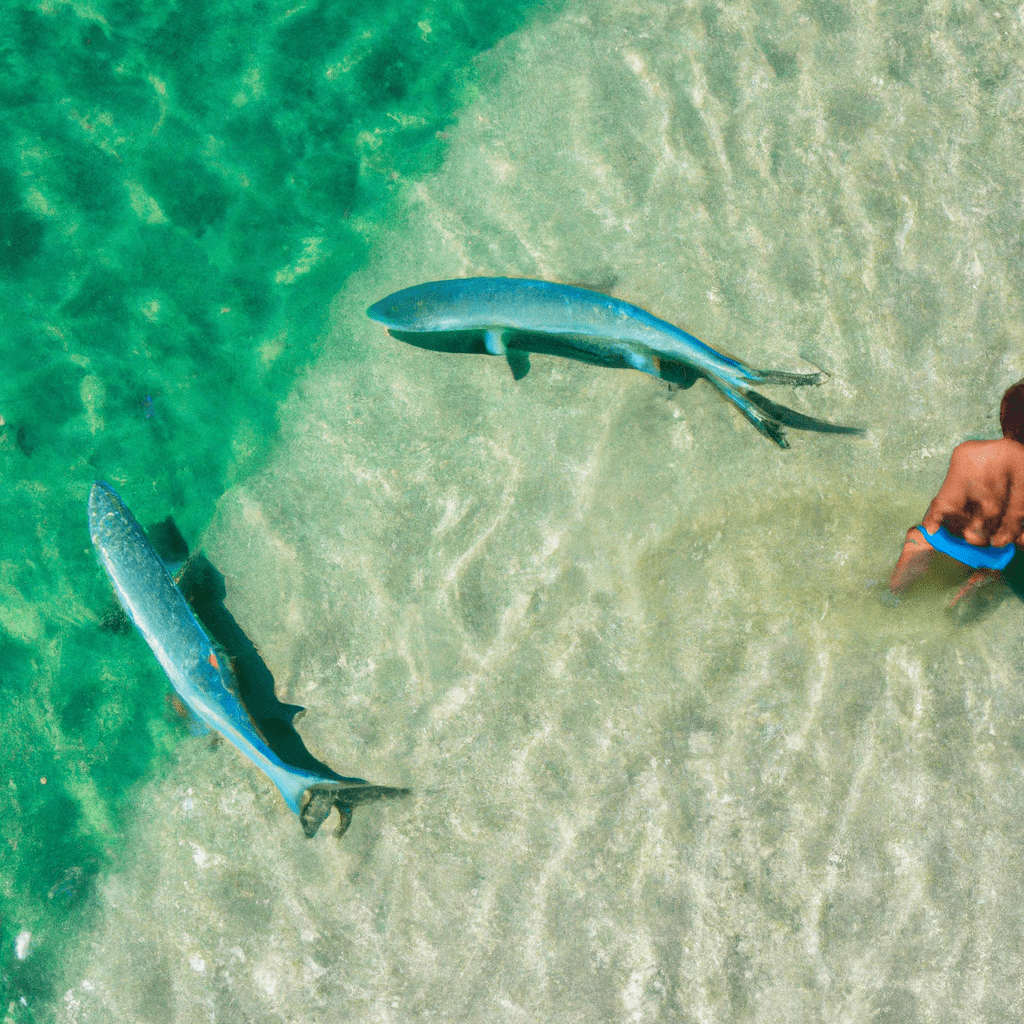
{"x": 977, "y": 517}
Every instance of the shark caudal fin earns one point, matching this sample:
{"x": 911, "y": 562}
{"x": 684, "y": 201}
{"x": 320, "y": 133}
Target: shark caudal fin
{"x": 739, "y": 374}
{"x": 769, "y": 418}
{"x": 730, "y": 371}
{"x": 766, "y": 416}
{"x": 318, "y": 800}
{"x": 763, "y": 422}
{"x": 793, "y": 380}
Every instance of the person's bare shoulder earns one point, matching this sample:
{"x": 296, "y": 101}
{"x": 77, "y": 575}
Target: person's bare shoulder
{"x": 970, "y": 450}
{"x": 968, "y": 461}
{"x": 1012, "y": 452}
{"x": 989, "y": 458}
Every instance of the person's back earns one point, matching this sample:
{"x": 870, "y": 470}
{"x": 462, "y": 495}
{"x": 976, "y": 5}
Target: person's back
{"x": 982, "y": 497}
{"x": 978, "y": 515}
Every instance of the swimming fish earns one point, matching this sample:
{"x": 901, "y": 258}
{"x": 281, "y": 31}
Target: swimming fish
{"x": 590, "y": 326}
{"x": 198, "y": 672}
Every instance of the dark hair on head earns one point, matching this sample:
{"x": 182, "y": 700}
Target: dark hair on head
{"x": 1011, "y": 412}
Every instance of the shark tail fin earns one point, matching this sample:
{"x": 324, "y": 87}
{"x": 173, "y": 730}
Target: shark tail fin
{"x": 739, "y": 374}
{"x": 760, "y": 412}
{"x": 318, "y": 800}
{"x": 769, "y": 418}
{"x": 762, "y": 421}
{"x": 794, "y": 380}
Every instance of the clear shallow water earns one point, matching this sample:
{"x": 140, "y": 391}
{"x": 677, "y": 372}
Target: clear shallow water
{"x": 673, "y": 757}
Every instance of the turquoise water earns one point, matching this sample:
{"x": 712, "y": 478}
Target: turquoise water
{"x": 672, "y": 756}
{"x": 182, "y": 192}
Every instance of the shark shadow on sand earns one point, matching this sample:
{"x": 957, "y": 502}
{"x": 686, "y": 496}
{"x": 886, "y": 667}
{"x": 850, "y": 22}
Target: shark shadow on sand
{"x": 520, "y": 346}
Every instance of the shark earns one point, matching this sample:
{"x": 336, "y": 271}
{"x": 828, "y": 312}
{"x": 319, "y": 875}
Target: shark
{"x": 519, "y": 315}
{"x": 199, "y": 672}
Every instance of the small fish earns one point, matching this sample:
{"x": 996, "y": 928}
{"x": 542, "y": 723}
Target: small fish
{"x": 590, "y": 326}
{"x": 198, "y": 672}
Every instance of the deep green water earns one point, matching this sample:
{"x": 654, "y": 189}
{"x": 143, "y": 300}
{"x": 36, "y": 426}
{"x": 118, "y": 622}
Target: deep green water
{"x": 183, "y": 189}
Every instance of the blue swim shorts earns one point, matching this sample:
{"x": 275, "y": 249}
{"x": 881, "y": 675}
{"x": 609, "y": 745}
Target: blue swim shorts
{"x": 970, "y": 554}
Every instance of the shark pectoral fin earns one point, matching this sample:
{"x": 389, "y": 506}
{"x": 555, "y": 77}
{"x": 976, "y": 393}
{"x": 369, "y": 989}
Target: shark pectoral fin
{"x": 644, "y": 361}
{"x": 518, "y": 360}
{"x": 494, "y": 341}
{"x": 518, "y": 363}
